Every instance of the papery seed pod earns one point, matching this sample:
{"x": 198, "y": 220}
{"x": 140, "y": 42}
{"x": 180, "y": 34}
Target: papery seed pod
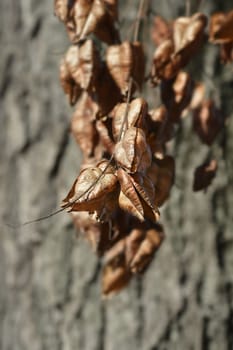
{"x": 173, "y": 54}
{"x": 136, "y": 114}
{"x": 162, "y": 174}
{"x": 62, "y": 9}
{"x": 96, "y": 16}
{"x": 83, "y": 125}
{"x": 147, "y": 249}
{"x": 71, "y": 89}
{"x": 189, "y": 33}
{"x": 204, "y": 175}
{"x": 96, "y": 233}
{"x": 221, "y": 27}
{"x": 198, "y": 96}
{"x": 126, "y": 61}
{"x": 132, "y": 152}
{"x": 176, "y": 94}
{"x": 207, "y": 121}
{"x": 161, "y": 30}
{"x": 115, "y": 276}
{"x": 83, "y": 198}
{"x": 165, "y": 66}
{"x": 105, "y": 136}
{"x": 83, "y": 64}
{"x": 129, "y": 199}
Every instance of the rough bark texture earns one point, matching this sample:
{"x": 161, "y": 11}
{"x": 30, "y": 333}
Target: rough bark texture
{"x": 50, "y": 293}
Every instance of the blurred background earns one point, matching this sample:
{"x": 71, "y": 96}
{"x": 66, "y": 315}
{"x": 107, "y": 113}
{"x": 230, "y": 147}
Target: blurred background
{"x": 50, "y": 294}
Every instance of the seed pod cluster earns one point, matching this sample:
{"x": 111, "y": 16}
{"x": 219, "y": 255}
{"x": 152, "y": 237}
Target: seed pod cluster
{"x": 126, "y": 173}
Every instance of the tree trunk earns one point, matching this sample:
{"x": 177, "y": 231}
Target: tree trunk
{"x": 50, "y": 290}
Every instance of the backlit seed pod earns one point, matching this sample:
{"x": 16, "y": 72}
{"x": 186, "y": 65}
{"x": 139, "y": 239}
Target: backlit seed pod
{"x": 207, "y": 121}
{"x": 147, "y": 249}
{"x": 173, "y": 54}
{"x": 162, "y": 174}
{"x": 115, "y": 276}
{"x": 136, "y": 114}
{"x": 204, "y": 175}
{"x": 132, "y": 152}
{"x": 83, "y": 197}
{"x": 83, "y": 63}
{"x": 176, "y": 94}
{"x": 161, "y": 30}
{"x": 96, "y": 233}
{"x": 83, "y": 125}
{"x": 71, "y": 89}
{"x": 126, "y": 61}
{"x": 137, "y": 196}
{"x": 221, "y": 27}
{"x": 96, "y": 16}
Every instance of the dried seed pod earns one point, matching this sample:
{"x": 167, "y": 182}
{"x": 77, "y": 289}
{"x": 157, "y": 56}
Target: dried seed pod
{"x": 83, "y": 64}
{"x": 83, "y": 198}
{"x": 96, "y": 233}
{"x": 105, "y": 137}
{"x": 221, "y": 32}
{"x": 172, "y": 55}
{"x": 62, "y": 9}
{"x": 105, "y": 84}
{"x": 161, "y": 30}
{"x": 71, "y": 89}
{"x": 147, "y": 249}
{"x": 221, "y": 27}
{"x": 96, "y": 16}
{"x": 176, "y": 94}
{"x": 207, "y": 121}
{"x": 136, "y": 196}
{"x": 132, "y": 152}
{"x": 83, "y": 125}
{"x": 204, "y": 175}
{"x": 198, "y": 96}
{"x": 126, "y": 61}
{"x": 162, "y": 174}
{"x": 136, "y": 113}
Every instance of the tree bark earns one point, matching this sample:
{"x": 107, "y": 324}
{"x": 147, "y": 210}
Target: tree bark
{"x": 50, "y": 289}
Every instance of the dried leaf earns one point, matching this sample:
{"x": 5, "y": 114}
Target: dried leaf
{"x": 71, "y": 89}
{"x": 204, "y": 175}
{"x": 125, "y": 61}
{"x": 136, "y": 113}
{"x": 132, "y": 152}
{"x": 207, "y": 121}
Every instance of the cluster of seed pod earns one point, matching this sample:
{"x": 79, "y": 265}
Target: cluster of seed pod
{"x": 126, "y": 173}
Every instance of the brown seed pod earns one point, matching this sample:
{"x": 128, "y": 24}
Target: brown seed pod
{"x": 162, "y": 174}
{"x": 136, "y": 114}
{"x": 176, "y": 94}
{"x": 62, "y": 9}
{"x": 161, "y": 30}
{"x": 83, "y": 125}
{"x": 221, "y": 28}
{"x": 71, "y": 89}
{"x": 83, "y": 64}
{"x": 173, "y": 54}
{"x": 207, "y": 121}
{"x": 147, "y": 249}
{"x": 82, "y": 198}
{"x": 132, "y": 152}
{"x": 204, "y": 175}
{"x": 126, "y": 61}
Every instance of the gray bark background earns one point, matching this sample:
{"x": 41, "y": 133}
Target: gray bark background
{"x": 50, "y": 290}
